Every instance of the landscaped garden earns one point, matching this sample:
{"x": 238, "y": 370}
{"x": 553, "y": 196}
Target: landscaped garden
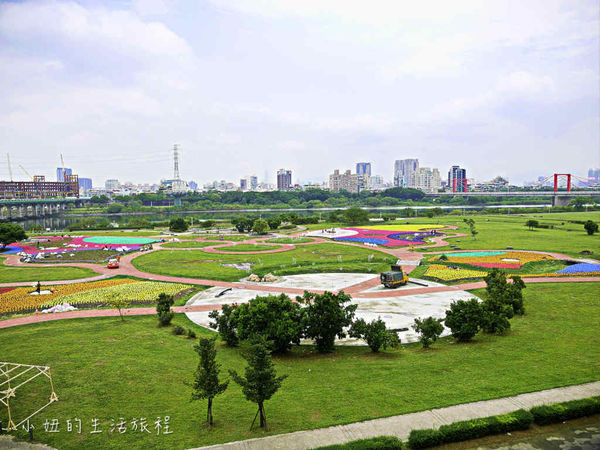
{"x": 311, "y": 258}
{"x": 108, "y": 369}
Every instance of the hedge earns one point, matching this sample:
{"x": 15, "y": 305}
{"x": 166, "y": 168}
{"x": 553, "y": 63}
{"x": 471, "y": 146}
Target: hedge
{"x": 376, "y": 443}
{"x": 471, "y": 429}
{"x": 559, "y": 412}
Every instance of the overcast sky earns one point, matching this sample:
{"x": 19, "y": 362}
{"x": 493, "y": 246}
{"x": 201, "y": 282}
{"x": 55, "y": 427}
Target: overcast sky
{"x": 245, "y": 87}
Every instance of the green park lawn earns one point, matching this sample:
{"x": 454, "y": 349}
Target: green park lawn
{"x": 249, "y": 248}
{"x": 188, "y": 244}
{"x": 38, "y": 273}
{"x": 106, "y": 368}
{"x": 95, "y": 256}
{"x": 501, "y": 231}
{"x": 290, "y": 240}
{"x": 305, "y": 259}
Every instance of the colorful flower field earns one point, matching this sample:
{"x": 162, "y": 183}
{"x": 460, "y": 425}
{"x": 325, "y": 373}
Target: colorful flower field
{"x": 19, "y": 300}
{"x": 390, "y": 235}
{"x": 496, "y": 259}
{"x": 79, "y": 243}
{"x": 445, "y": 273}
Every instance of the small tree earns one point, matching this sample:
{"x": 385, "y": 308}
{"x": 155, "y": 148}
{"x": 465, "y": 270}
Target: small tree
{"x": 578, "y": 203}
{"x": 429, "y": 329}
{"x": 243, "y": 224}
{"x": 260, "y": 226}
{"x": 531, "y": 224}
{"x": 375, "y": 334}
{"x": 225, "y": 323}
{"x": 163, "y": 308}
{"x": 591, "y": 227}
{"x": 274, "y": 222}
{"x": 325, "y": 317}
{"x": 276, "y": 318}
{"x": 119, "y": 303}
{"x": 260, "y": 381}
{"x": 178, "y": 225}
{"x": 464, "y": 319}
{"x": 10, "y": 233}
{"x": 206, "y": 378}
{"x": 471, "y": 224}
{"x": 355, "y": 215}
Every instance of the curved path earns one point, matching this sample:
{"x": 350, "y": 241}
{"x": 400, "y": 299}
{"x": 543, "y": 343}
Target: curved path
{"x": 409, "y": 258}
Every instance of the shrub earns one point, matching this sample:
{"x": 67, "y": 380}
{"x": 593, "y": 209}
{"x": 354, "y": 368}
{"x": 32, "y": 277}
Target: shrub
{"x": 429, "y": 329}
{"x": 559, "y": 412}
{"x": 260, "y": 226}
{"x": 424, "y": 438}
{"x": 163, "y": 309}
{"x": 191, "y": 334}
{"x": 178, "y": 225}
{"x": 590, "y": 227}
{"x": 178, "y": 330}
{"x": 464, "y": 319}
{"x": 375, "y": 334}
{"x": 376, "y": 443}
{"x": 225, "y": 324}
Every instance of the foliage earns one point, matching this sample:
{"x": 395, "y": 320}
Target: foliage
{"x": 375, "y": 443}
{"x": 531, "y": 224}
{"x": 178, "y": 225}
{"x": 508, "y": 293}
{"x": 119, "y": 303}
{"x": 578, "y": 203}
{"x": 375, "y": 334}
{"x": 429, "y": 329}
{"x": 260, "y": 382}
{"x": 178, "y": 330}
{"x": 10, "y": 233}
{"x": 260, "y": 226}
{"x": 559, "y": 412}
{"x": 276, "y": 318}
{"x": 274, "y": 222}
{"x": 191, "y": 334}
{"x": 472, "y": 229}
{"x": 163, "y": 308}
{"x": 114, "y": 208}
{"x": 424, "y": 438}
{"x": 243, "y": 224}
{"x": 464, "y": 319}
{"x": 590, "y": 227}
{"x": 325, "y": 317}
{"x": 355, "y": 215}
{"x": 225, "y": 323}
{"x": 206, "y": 378}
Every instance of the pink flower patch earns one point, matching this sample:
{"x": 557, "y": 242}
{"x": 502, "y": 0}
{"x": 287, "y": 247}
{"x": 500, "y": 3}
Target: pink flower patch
{"x": 497, "y": 265}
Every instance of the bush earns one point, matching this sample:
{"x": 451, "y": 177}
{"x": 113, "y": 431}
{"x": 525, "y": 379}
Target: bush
{"x": 590, "y": 227}
{"x": 429, "y": 330}
{"x": 260, "y": 226}
{"x": 559, "y": 412}
{"x": 424, "y": 438}
{"x": 178, "y": 330}
{"x": 225, "y": 323}
{"x": 191, "y": 334}
{"x": 464, "y": 319}
{"x": 178, "y": 225}
{"x": 376, "y": 443}
{"x": 375, "y": 334}
{"x": 163, "y": 309}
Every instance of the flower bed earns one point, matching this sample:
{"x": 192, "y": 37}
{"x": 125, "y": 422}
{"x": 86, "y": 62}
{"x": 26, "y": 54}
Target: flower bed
{"x": 496, "y": 259}
{"x": 71, "y": 244}
{"x": 389, "y": 237}
{"x": 445, "y": 273}
{"x": 580, "y": 268}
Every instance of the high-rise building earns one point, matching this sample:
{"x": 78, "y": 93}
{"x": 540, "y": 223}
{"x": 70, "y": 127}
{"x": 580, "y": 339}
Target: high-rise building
{"x": 594, "y": 175}
{"x": 85, "y": 184}
{"x": 363, "y": 168}
{"x": 253, "y": 182}
{"x": 457, "y": 179}
{"x": 405, "y": 172}
{"x": 376, "y": 182}
{"x": 346, "y": 181}
{"x": 193, "y": 185}
{"x": 244, "y": 184}
{"x": 284, "y": 179}
{"x": 427, "y": 180}
{"x": 112, "y": 185}
{"x": 61, "y": 172}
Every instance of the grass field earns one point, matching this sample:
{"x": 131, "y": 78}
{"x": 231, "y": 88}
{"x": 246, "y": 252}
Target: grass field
{"x": 304, "y": 259}
{"x": 249, "y": 248}
{"x": 287, "y": 240}
{"x": 18, "y": 274}
{"x": 188, "y": 244}
{"x": 105, "y": 368}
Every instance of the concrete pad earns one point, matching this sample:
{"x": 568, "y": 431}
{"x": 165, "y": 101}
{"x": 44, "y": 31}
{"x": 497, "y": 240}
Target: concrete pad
{"x": 412, "y": 284}
{"x": 320, "y": 281}
{"x": 337, "y": 232}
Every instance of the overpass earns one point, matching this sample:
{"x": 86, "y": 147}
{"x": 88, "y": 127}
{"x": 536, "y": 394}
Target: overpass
{"x": 559, "y": 198}
{"x": 35, "y": 207}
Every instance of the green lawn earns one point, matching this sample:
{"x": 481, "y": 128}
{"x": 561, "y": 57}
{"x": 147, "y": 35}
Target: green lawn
{"x": 501, "y": 231}
{"x": 37, "y": 273}
{"x": 188, "y": 244}
{"x": 287, "y": 240}
{"x": 97, "y": 256}
{"x": 105, "y": 368}
{"x": 304, "y": 259}
{"x": 250, "y": 248}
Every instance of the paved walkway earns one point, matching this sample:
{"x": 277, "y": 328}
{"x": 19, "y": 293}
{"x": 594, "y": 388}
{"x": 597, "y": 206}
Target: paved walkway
{"x": 400, "y": 426}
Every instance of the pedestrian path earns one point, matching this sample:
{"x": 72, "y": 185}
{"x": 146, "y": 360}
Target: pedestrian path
{"x": 400, "y": 426}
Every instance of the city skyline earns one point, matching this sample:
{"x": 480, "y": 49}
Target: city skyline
{"x": 249, "y": 87}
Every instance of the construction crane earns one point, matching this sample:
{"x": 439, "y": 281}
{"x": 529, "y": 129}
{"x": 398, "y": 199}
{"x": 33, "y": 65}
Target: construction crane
{"x": 32, "y": 179}
{"x": 9, "y": 168}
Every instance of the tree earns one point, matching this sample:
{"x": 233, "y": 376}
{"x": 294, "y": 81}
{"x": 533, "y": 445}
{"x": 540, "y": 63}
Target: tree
{"x": 206, "y": 378}
{"x": 276, "y": 318}
{"x": 274, "y": 222}
{"x": 163, "y": 308}
{"x": 325, "y": 317}
{"x": 260, "y": 381}
{"x": 375, "y": 334}
{"x": 355, "y": 215}
{"x": 114, "y": 208}
{"x": 502, "y": 301}
{"x": 35, "y": 228}
{"x": 225, "y": 323}
{"x": 260, "y": 226}
{"x": 579, "y": 203}
{"x": 591, "y": 227}
{"x": 531, "y": 223}
{"x": 119, "y": 303}
{"x": 464, "y": 319}
{"x": 178, "y": 225}
{"x": 429, "y": 329}
{"x": 471, "y": 224}
{"x": 10, "y": 233}
{"x": 243, "y": 224}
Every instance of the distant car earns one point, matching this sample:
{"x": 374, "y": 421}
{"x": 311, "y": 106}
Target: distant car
{"x": 113, "y": 263}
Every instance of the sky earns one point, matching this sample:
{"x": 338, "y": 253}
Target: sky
{"x": 246, "y": 87}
